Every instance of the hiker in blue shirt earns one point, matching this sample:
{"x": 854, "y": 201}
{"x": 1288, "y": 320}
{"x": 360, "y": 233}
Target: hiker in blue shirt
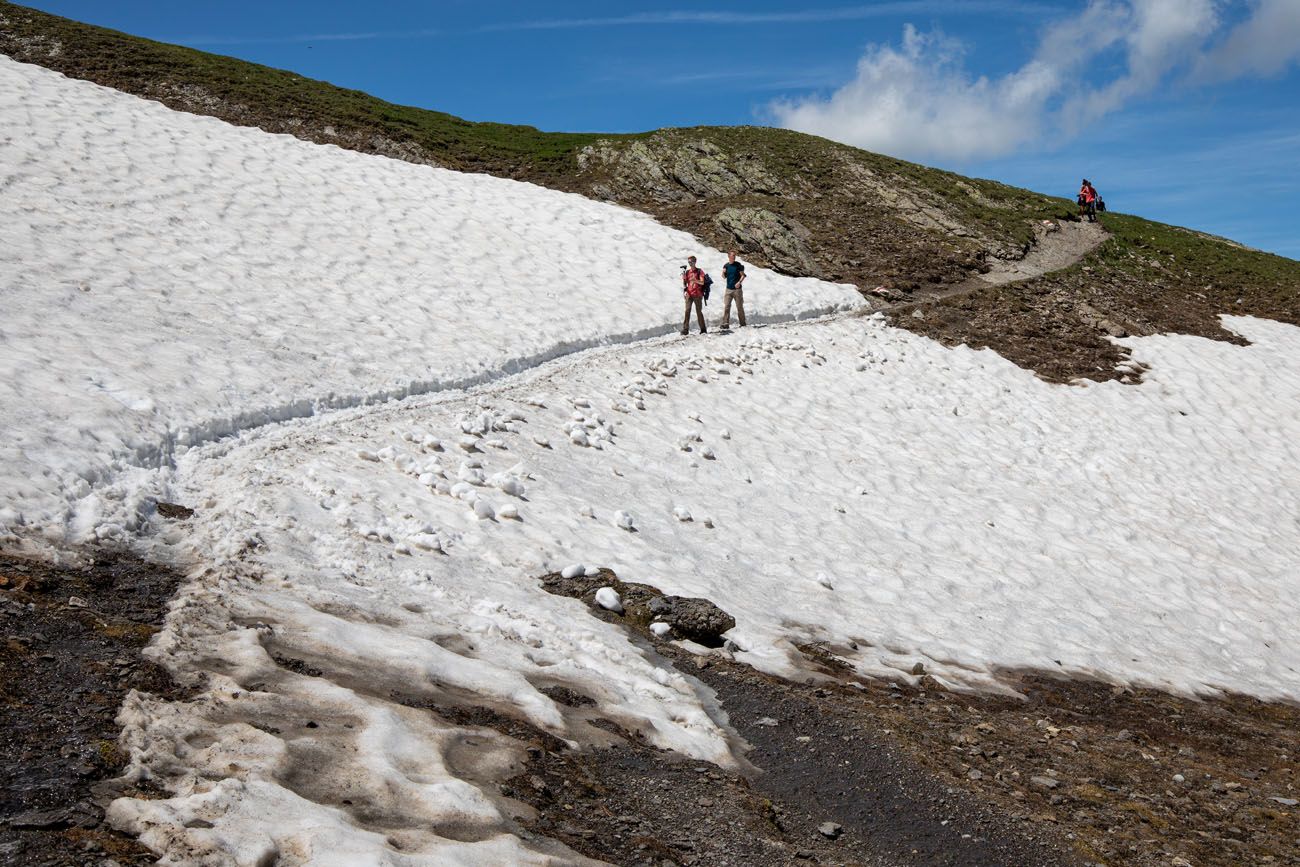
{"x": 735, "y": 276}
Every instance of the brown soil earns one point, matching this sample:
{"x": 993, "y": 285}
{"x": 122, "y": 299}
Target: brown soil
{"x": 72, "y": 642}
{"x": 1070, "y": 772}
{"x": 1059, "y": 324}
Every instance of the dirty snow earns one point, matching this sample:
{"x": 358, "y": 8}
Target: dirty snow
{"x": 362, "y": 578}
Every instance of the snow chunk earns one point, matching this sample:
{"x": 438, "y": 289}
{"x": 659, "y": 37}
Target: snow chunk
{"x": 607, "y": 598}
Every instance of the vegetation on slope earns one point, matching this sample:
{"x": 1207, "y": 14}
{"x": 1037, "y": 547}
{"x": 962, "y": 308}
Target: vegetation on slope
{"x": 800, "y": 204}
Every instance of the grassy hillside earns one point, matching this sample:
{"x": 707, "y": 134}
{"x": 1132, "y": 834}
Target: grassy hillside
{"x": 798, "y": 203}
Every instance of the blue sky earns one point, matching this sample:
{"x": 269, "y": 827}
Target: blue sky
{"x": 1186, "y": 111}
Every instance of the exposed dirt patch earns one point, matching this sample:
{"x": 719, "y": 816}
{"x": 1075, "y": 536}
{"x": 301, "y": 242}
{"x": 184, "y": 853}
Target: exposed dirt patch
{"x": 72, "y": 642}
{"x": 1072, "y": 772}
{"x": 1146, "y": 279}
{"x": 819, "y": 762}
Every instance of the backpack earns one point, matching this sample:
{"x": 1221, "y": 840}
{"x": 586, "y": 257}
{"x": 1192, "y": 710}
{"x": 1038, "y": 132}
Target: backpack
{"x": 708, "y": 284}
{"x": 1101, "y": 205}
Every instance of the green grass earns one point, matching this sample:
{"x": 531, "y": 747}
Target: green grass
{"x": 1160, "y": 253}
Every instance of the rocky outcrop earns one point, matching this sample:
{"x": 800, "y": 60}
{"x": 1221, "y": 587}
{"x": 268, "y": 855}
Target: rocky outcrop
{"x": 666, "y": 170}
{"x": 783, "y": 241}
{"x": 688, "y": 617}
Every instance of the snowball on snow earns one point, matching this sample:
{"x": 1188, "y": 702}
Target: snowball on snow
{"x": 607, "y": 598}
{"x": 623, "y": 520}
{"x": 573, "y": 570}
{"x": 509, "y": 511}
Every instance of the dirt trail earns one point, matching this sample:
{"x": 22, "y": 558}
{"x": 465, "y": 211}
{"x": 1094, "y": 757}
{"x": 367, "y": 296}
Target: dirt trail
{"x": 1056, "y": 246}
{"x": 1054, "y": 249}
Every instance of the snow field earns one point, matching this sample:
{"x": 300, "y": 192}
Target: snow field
{"x": 169, "y": 279}
{"x": 868, "y": 489}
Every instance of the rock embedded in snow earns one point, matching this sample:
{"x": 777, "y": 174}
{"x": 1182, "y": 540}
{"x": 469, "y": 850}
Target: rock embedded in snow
{"x": 607, "y": 598}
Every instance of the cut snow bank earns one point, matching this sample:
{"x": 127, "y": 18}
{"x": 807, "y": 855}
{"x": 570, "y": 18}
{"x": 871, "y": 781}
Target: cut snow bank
{"x": 169, "y": 279}
{"x": 846, "y": 483}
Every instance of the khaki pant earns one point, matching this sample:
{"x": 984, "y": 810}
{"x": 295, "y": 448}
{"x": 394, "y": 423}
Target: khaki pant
{"x": 739, "y": 295}
{"x": 698, "y": 303}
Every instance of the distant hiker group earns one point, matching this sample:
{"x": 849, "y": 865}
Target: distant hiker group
{"x": 697, "y": 286}
{"x": 1090, "y": 201}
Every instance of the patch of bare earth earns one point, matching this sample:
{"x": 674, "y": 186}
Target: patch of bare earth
{"x": 72, "y": 639}
{"x": 1069, "y": 772}
{"x": 1060, "y": 324}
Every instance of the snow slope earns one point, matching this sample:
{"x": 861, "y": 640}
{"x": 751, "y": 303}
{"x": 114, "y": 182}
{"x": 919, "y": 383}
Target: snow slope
{"x": 168, "y": 279}
{"x": 845, "y": 482}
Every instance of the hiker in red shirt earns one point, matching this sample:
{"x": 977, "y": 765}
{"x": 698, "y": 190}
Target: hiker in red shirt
{"x": 1088, "y": 201}
{"x": 693, "y": 292}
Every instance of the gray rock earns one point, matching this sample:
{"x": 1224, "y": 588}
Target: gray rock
{"x": 668, "y": 168}
{"x": 1045, "y": 782}
{"x": 830, "y": 830}
{"x": 782, "y": 240}
{"x": 698, "y": 619}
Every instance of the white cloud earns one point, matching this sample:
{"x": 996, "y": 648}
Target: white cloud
{"x": 918, "y": 99}
{"x": 1265, "y": 44}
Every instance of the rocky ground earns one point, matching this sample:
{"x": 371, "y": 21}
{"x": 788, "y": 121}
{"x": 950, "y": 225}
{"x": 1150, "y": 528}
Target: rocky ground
{"x": 72, "y": 642}
{"x": 1067, "y": 772}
